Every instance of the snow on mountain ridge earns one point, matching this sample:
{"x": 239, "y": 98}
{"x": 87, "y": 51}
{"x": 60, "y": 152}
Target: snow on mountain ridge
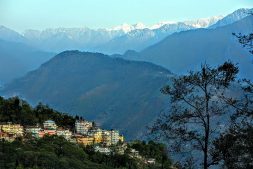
{"x": 198, "y": 23}
{"x": 233, "y": 17}
{"x": 127, "y": 27}
{"x": 136, "y": 36}
{"x": 204, "y": 22}
{"x": 120, "y": 38}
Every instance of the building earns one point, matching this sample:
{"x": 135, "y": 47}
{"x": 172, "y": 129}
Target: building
{"x": 12, "y": 129}
{"x": 121, "y": 138}
{"x": 10, "y": 132}
{"x": 85, "y": 140}
{"x": 103, "y": 150}
{"x": 34, "y": 131}
{"x": 50, "y": 125}
{"x": 97, "y": 134}
{"x": 41, "y": 133}
{"x": 98, "y": 137}
{"x": 114, "y": 135}
{"x": 151, "y": 161}
{"x": 111, "y": 137}
{"x": 82, "y": 126}
{"x": 6, "y": 136}
{"x": 49, "y": 132}
{"x": 64, "y": 133}
{"x": 106, "y": 138}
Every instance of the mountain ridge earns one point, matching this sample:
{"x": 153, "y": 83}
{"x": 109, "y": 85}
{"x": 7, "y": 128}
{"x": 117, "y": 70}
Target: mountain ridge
{"x": 233, "y": 17}
{"x": 118, "y": 39}
{"x": 187, "y": 50}
{"x": 98, "y": 87}
{"x": 60, "y": 39}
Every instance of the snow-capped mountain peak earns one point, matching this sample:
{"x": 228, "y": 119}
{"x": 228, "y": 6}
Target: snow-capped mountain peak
{"x": 127, "y": 27}
{"x": 198, "y": 23}
{"x": 161, "y": 24}
{"x": 233, "y": 17}
{"x": 117, "y": 39}
{"x": 203, "y": 22}
{"x": 139, "y": 26}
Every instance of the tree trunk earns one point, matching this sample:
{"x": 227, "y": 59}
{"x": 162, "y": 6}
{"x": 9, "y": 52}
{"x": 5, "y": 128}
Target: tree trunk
{"x": 207, "y": 129}
{"x": 206, "y": 142}
{"x": 206, "y": 151}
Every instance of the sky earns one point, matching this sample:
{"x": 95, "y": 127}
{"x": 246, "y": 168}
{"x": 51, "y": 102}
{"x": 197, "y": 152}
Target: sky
{"x": 40, "y": 14}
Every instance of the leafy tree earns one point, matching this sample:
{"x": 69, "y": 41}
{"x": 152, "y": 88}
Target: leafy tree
{"x": 234, "y": 148}
{"x": 197, "y": 109}
{"x": 154, "y": 150}
{"x": 50, "y": 152}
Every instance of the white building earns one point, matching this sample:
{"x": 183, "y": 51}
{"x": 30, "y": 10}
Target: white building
{"x": 64, "y": 133}
{"x": 82, "y": 126}
{"x": 104, "y": 150}
{"x": 50, "y": 125}
{"x": 151, "y": 161}
{"x": 114, "y": 134}
{"x": 110, "y": 137}
{"x": 106, "y": 138}
{"x": 34, "y": 131}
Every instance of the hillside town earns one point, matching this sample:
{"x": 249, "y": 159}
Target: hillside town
{"x": 85, "y": 133}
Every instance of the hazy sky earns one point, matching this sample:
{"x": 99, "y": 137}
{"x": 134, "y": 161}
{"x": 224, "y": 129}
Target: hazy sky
{"x": 39, "y": 14}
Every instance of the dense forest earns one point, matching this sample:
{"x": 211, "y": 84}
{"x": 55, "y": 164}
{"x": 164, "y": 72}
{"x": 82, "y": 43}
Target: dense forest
{"x": 19, "y": 111}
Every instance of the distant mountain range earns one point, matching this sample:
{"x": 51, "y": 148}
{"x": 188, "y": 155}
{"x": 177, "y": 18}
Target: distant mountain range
{"x": 233, "y": 17}
{"x": 39, "y": 46}
{"x": 118, "y": 39}
{"x": 10, "y": 35}
{"x": 185, "y": 51}
{"x": 115, "y": 40}
{"x": 114, "y": 92}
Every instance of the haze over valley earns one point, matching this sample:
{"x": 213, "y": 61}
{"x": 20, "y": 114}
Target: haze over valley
{"x": 127, "y": 77}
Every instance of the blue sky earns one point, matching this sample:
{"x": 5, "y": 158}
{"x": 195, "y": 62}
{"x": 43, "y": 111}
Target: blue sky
{"x": 39, "y": 14}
